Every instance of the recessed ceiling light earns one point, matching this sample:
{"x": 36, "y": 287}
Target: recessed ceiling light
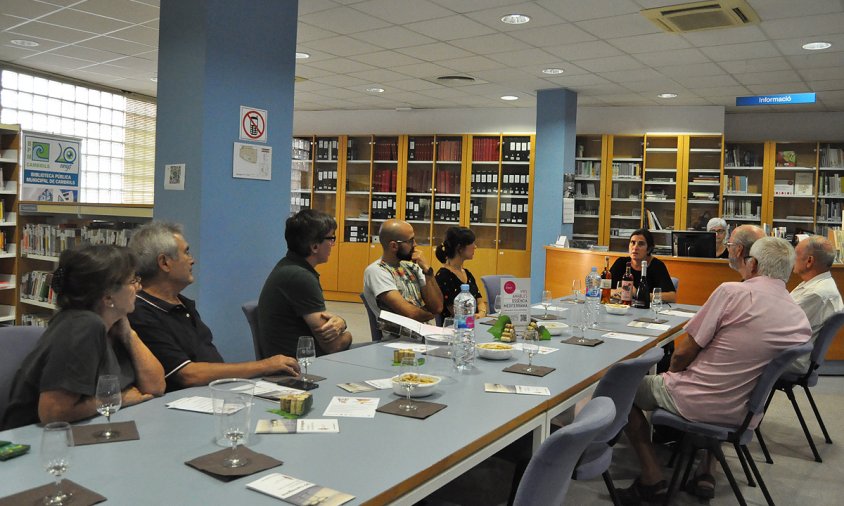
{"x": 667, "y": 95}
{"x": 509, "y": 97}
{"x": 302, "y": 56}
{"x": 817, "y": 46}
{"x": 456, "y": 78}
{"x": 154, "y": 79}
{"x": 515, "y": 19}
{"x": 24, "y": 43}
{"x": 553, "y": 71}
{"x": 375, "y": 90}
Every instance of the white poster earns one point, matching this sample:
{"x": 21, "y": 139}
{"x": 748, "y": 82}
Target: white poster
{"x": 252, "y": 162}
{"x": 174, "y": 176}
{"x": 51, "y": 166}
{"x": 515, "y": 300}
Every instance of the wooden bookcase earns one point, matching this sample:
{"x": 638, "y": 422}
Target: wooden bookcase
{"x": 10, "y": 173}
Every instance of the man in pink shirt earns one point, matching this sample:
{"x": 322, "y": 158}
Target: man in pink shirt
{"x": 739, "y": 330}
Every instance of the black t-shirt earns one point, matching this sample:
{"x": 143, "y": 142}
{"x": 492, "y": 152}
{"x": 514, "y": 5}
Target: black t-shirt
{"x": 71, "y": 354}
{"x": 658, "y": 276}
{"x": 449, "y": 285}
{"x": 174, "y": 333}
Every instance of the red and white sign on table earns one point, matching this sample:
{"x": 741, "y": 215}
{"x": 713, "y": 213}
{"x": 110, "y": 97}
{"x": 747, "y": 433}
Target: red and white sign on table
{"x": 253, "y": 124}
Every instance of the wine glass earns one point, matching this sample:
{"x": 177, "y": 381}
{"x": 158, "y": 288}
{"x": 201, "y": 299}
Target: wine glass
{"x": 407, "y": 379}
{"x": 305, "y": 353}
{"x": 529, "y": 345}
{"x": 109, "y": 400}
{"x": 546, "y": 302}
{"x": 576, "y": 292}
{"x": 56, "y": 442}
{"x": 496, "y": 305}
{"x": 656, "y": 301}
{"x": 583, "y": 322}
{"x": 232, "y": 405}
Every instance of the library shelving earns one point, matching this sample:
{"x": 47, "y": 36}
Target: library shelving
{"x": 744, "y": 183}
{"x": 701, "y": 179}
{"x": 792, "y": 196}
{"x": 588, "y": 165}
{"x": 301, "y": 174}
{"x": 663, "y": 168}
{"x": 830, "y": 186}
{"x": 624, "y": 190}
{"x": 10, "y": 151}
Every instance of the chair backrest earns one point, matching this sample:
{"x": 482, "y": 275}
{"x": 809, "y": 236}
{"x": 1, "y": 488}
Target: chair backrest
{"x": 250, "y": 309}
{"x": 16, "y": 342}
{"x": 676, "y": 282}
{"x": 373, "y": 321}
{"x": 620, "y": 383}
{"x": 548, "y": 474}
{"x": 770, "y": 375}
{"x": 827, "y": 333}
{"x": 492, "y": 285}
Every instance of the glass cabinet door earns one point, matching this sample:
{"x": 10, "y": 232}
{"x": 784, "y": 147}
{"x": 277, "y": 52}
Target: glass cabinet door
{"x": 626, "y": 154}
{"x": 660, "y": 187}
{"x": 514, "y": 200}
{"x": 743, "y": 183}
{"x": 703, "y": 181}
{"x": 325, "y": 175}
{"x": 587, "y": 190}
{"x": 301, "y": 174}
{"x": 420, "y": 177}
{"x": 359, "y": 183}
{"x": 830, "y": 187}
{"x": 483, "y": 192}
{"x": 795, "y": 170}
{"x": 448, "y": 172}
{"x": 384, "y": 180}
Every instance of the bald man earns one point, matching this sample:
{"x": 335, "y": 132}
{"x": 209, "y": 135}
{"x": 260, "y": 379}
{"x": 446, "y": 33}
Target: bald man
{"x": 397, "y": 282}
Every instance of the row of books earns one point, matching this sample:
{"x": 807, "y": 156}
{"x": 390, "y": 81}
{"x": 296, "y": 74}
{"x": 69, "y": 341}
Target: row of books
{"x": 831, "y": 185}
{"x": 513, "y": 213}
{"x": 301, "y": 149}
{"x": 3, "y": 243}
{"x": 35, "y": 285}
{"x": 383, "y": 207}
{"x": 447, "y": 150}
{"x": 388, "y": 150}
{"x": 786, "y": 158}
{"x": 36, "y": 319}
{"x": 448, "y": 181}
{"x": 384, "y": 180}
{"x": 703, "y": 195}
{"x": 51, "y": 240}
{"x": 357, "y": 233}
{"x": 326, "y": 149}
{"x": 626, "y": 169}
{"x": 485, "y": 149}
{"x": 515, "y": 184}
{"x": 738, "y": 157}
{"x": 802, "y": 184}
{"x": 587, "y": 168}
{"x": 477, "y": 210}
{"x": 624, "y": 191}
{"x": 653, "y": 220}
{"x": 302, "y": 201}
{"x": 735, "y": 184}
{"x": 741, "y": 208}
{"x": 516, "y": 149}
{"x": 585, "y": 190}
{"x": 484, "y": 181}
{"x": 326, "y": 180}
{"x": 832, "y": 157}
{"x": 829, "y": 210}
{"x": 419, "y": 181}
{"x": 418, "y": 208}
{"x": 447, "y": 209}
{"x": 704, "y": 178}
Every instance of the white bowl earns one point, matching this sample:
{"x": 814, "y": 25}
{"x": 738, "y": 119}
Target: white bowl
{"x": 617, "y": 308}
{"x": 554, "y": 328}
{"x": 421, "y": 389}
{"x": 495, "y": 351}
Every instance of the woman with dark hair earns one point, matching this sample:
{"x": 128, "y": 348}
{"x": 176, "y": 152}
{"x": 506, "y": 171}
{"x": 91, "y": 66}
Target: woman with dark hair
{"x": 88, "y": 336}
{"x": 641, "y": 249}
{"x": 459, "y": 246}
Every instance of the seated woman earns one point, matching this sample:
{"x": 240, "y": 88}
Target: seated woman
{"x": 719, "y": 226}
{"x": 459, "y": 246}
{"x": 641, "y": 248}
{"x": 89, "y": 336}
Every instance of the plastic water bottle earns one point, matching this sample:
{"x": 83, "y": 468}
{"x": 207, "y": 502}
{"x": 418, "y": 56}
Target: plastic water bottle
{"x": 463, "y": 348}
{"x": 593, "y": 295}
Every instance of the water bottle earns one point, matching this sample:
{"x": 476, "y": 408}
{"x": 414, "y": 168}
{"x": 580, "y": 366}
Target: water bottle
{"x": 593, "y": 296}
{"x": 463, "y": 348}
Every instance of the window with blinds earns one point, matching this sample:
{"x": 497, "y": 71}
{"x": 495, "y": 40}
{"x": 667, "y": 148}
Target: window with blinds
{"x": 117, "y": 132}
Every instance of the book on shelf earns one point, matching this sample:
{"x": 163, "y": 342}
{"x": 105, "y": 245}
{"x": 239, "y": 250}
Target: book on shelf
{"x": 784, "y": 187}
{"x": 703, "y": 195}
{"x": 786, "y": 159}
{"x": 832, "y": 157}
{"x": 804, "y": 183}
{"x": 485, "y": 149}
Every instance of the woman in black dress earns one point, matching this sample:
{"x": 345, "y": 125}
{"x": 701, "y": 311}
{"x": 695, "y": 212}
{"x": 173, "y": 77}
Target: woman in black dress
{"x": 459, "y": 246}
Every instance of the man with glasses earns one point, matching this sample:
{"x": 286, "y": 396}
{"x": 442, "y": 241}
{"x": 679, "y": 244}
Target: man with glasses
{"x": 398, "y": 281}
{"x": 291, "y": 303}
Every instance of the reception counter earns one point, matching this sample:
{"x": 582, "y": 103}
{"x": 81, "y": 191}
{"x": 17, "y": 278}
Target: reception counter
{"x": 698, "y": 277}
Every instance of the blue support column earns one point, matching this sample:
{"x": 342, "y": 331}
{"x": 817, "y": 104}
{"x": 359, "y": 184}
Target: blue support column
{"x": 215, "y": 56}
{"x": 556, "y": 114}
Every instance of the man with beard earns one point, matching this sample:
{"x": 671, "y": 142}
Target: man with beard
{"x": 397, "y": 281}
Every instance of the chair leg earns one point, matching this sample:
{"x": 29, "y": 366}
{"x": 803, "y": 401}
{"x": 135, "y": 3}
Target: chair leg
{"x": 762, "y": 444}
{"x": 793, "y": 400}
{"x": 716, "y": 448}
{"x": 686, "y": 451}
{"x": 817, "y": 415}
{"x": 611, "y": 488}
{"x": 758, "y": 475}
{"x": 744, "y": 466}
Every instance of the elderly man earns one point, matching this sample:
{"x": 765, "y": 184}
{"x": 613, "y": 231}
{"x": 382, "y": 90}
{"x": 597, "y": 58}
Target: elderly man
{"x": 817, "y": 293}
{"x": 740, "y": 328}
{"x": 398, "y": 281}
{"x": 291, "y": 303}
{"x": 168, "y": 322}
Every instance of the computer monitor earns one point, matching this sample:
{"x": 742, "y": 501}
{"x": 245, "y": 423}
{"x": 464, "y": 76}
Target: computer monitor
{"x": 693, "y": 243}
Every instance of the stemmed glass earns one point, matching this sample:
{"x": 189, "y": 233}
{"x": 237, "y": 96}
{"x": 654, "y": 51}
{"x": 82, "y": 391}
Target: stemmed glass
{"x": 56, "y": 442}
{"x": 576, "y": 292}
{"x": 109, "y": 400}
{"x": 496, "y": 305}
{"x": 407, "y": 379}
{"x": 656, "y": 301}
{"x": 232, "y": 403}
{"x": 583, "y": 322}
{"x": 546, "y": 302}
{"x": 305, "y": 353}
{"x": 529, "y": 337}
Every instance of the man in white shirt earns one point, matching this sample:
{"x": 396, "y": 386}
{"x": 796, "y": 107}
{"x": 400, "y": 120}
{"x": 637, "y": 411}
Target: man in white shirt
{"x": 817, "y": 293}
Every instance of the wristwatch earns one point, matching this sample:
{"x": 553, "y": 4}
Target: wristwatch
{"x": 429, "y": 272}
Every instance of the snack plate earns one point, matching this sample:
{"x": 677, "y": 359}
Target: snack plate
{"x": 555, "y": 328}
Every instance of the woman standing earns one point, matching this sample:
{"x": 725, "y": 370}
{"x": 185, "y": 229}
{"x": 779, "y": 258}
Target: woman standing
{"x": 459, "y": 246}
{"x": 719, "y": 226}
{"x": 89, "y": 336}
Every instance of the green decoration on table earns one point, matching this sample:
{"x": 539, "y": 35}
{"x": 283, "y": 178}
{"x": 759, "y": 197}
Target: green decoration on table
{"x": 544, "y": 334}
{"x": 419, "y": 361}
{"x": 498, "y": 327}
{"x": 283, "y": 414}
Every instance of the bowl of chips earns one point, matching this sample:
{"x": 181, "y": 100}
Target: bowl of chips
{"x": 494, "y": 351}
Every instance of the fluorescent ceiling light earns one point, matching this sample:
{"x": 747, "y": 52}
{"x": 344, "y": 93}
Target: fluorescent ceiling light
{"x": 24, "y": 43}
{"x": 375, "y": 90}
{"x": 552, "y": 71}
{"x": 817, "y": 46}
{"x": 515, "y": 19}
{"x": 509, "y": 97}
{"x": 302, "y": 56}
{"x": 667, "y": 95}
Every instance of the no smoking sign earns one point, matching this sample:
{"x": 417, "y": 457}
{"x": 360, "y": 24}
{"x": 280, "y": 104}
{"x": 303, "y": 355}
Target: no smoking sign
{"x": 253, "y": 124}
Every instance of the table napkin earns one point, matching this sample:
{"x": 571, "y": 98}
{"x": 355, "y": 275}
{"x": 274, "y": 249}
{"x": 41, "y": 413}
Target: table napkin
{"x": 423, "y": 410}
{"x": 537, "y": 370}
{"x": 583, "y": 342}
{"x": 212, "y": 464}
{"x": 84, "y": 434}
{"x": 81, "y": 496}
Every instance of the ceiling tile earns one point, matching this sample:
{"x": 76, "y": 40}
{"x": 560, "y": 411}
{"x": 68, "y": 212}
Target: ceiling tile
{"x": 490, "y": 44}
{"x": 125, "y": 10}
{"x": 50, "y": 32}
{"x": 779, "y": 76}
{"x": 825, "y": 85}
{"x": 307, "y": 33}
{"x": 604, "y": 89}
{"x": 341, "y": 65}
{"x": 139, "y": 34}
{"x": 423, "y": 70}
{"x": 620, "y": 26}
{"x": 56, "y": 61}
{"x": 87, "y": 54}
{"x": 578, "y": 10}
{"x": 584, "y": 50}
{"x": 675, "y": 57}
{"x": 722, "y": 91}
{"x": 735, "y": 35}
{"x": 749, "y": 50}
{"x": 534, "y": 56}
{"x": 309, "y": 72}
{"x": 627, "y": 76}
{"x": 803, "y": 26}
{"x": 342, "y": 46}
{"x": 450, "y": 28}
{"x": 555, "y": 35}
{"x": 13, "y": 54}
{"x": 343, "y": 20}
{"x": 385, "y": 59}
{"x": 769, "y": 88}
{"x": 401, "y": 12}
{"x": 414, "y": 84}
{"x": 379, "y": 76}
{"x": 393, "y": 37}
{"x": 311, "y": 6}
{"x": 693, "y": 82}
{"x": 85, "y": 21}
{"x": 649, "y": 43}
{"x": 794, "y": 47}
{"x": 610, "y": 64}
{"x": 119, "y": 46}
{"x": 470, "y": 64}
{"x": 755, "y": 65}
{"x": 822, "y": 74}
{"x": 43, "y": 44}
{"x": 539, "y": 16}
{"x": 27, "y": 8}
{"x": 435, "y": 52}
{"x": 648, "y": 86}
{"x": 340, "y": 80}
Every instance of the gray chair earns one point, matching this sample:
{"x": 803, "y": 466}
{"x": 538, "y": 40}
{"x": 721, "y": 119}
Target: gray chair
{"x": 374, "y": 328}
{"x": 789, "y": 380}
{"x": 250, "y": 309}
{"x": 16, "y": 342}
{"x": 548, "y": 474}
{"x": 676, "y": 282}
{"x": 619, "y": 384}
{"x": 700, "y": 435}
{"x": 492, "y": 285}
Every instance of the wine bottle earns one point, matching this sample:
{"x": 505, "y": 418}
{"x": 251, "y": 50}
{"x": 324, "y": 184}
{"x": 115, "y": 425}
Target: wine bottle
{"x": 627, "y": 286}
{"x": 606, "y": 282}
{"x": 643, "y": 295}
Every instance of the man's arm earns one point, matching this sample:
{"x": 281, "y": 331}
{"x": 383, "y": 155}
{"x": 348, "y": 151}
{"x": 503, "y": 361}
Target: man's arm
{"x": 329, "y": 331}
{"x": 201, "y": 373}
{"x": 684, "y": 355}
{"x": 395, "y": 303}
{"x": 431, "y": 293}
{"x": 149, "y": 374}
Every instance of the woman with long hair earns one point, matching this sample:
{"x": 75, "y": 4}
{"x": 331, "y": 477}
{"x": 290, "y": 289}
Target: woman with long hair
{"x": 459, "y": 246}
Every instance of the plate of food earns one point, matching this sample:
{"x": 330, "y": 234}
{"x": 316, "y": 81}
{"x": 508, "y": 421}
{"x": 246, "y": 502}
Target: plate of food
{"x": 495, "y": 351}
{"x": 617, "y": 308}
{"x": 423, "y": 384}
{"x": 555, "y": 328}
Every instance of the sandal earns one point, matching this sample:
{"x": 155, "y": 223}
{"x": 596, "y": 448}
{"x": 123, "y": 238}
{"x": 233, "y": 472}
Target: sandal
{"x": 703, "y": 486}
{"x": 637, "y": 493}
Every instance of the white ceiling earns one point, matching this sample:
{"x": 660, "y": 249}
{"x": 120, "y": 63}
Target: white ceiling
{"x": 612, "y": 56}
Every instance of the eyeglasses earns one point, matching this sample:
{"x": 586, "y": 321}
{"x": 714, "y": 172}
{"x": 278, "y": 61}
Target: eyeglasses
{"x": 136, "y": 280}
{"x": 331, "y": 238}
{"x": 412, "y": 240}
{"x": 720, "y": 231}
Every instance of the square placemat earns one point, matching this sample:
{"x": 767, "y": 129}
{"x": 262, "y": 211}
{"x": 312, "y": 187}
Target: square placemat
{"x": 280, "y": 379}
{"x": 80, "y": 496}
{"x": 645, "y": 319}
{"x": 85, "y": 434}
{"x": 582, "y": 342}
{"x": 423, "y": 410}
{"x": 212, "y": 464}
{"x": 536, "y": 370}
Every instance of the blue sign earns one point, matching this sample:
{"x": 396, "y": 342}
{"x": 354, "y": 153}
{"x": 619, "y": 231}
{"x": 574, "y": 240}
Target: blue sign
{"x": 784, "y": 99}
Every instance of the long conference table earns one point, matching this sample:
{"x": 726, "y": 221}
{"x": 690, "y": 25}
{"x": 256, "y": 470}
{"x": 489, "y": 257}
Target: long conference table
{"x": 387, "y": 459}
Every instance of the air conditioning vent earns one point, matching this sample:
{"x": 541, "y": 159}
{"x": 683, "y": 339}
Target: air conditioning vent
{"x": 702, "y": 15}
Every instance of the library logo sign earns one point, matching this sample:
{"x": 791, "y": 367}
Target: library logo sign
{"x": 50, "y": 168}
{"x": 782, "y": 99}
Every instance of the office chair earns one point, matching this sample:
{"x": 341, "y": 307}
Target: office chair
{"x": 374, "y": 329}
{"x": 492, "y": 285}
{"x": 250, "y": 310}
{"x": 16, "y": 342}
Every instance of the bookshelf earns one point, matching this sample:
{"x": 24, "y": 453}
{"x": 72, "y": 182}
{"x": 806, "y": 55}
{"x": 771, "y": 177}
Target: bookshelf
{"x": 744, "y": 183}
{"x": 701, "y": 181}
{"x": 830, "y": 186}
{"x": 10, "y": 150}
{"x": 661, "y": 194}
{"x": 588, "y": 188}
{"x": 623, "y": 190}
{"x": 791, "y": 186}
{"x": 301, "y": 174}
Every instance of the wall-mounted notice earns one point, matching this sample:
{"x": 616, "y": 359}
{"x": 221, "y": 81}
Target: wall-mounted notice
{"x": 51, "y": 166}
{"x": 252, "y": 162}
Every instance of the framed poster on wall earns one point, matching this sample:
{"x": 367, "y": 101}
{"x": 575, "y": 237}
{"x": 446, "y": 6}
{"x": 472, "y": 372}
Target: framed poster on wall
{"x": 51, "y": 166}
